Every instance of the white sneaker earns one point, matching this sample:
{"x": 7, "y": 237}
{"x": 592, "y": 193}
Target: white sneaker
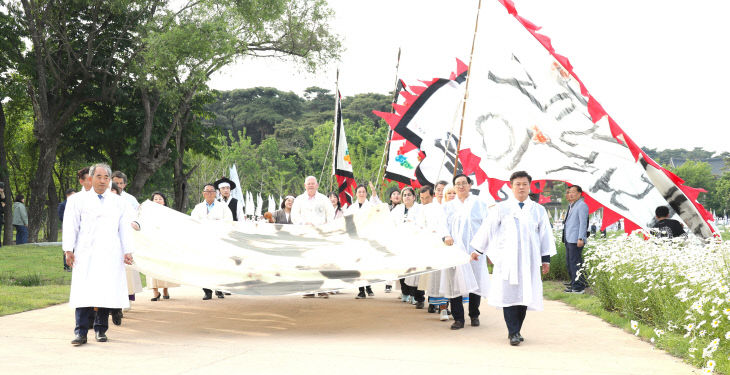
{"x": 444, "y": 315}
{"x": 413, "y": 300}
{"x": 403, "y": 298}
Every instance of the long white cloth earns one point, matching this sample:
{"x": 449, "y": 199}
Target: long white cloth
{"x": 316, "y": 210}
{"x": 462, "y": 222}
{"x": 98, "y": 232}
{"x": 515, "y": 239}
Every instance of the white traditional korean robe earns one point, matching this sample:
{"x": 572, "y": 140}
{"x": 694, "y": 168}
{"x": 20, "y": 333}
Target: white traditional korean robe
{"x": 432, "y": 219}
{"x": 463, "y": 219}
{"x": 515, "y": 239}
{"x": 355, "y": 207}
{"x": 130, "y": 199}
{"x": 316, "y": 210}
{"x": 400, "y": 217}
{"x": 98, "y": 232}
{"x": 134, "y": 281}
{"x": 220, "y": 211}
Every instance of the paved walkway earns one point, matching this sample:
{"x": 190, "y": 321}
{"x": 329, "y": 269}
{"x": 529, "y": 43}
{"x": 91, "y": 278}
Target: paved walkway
{"x": 339, "y": 335}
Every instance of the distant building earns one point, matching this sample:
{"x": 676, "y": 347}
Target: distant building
{"x": 717, "y": 164}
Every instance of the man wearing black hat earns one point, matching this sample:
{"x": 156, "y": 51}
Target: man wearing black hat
{"x": 224, "y": 186}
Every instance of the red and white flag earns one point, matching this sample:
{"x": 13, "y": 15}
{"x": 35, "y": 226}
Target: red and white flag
{"x": 342, "y": 163}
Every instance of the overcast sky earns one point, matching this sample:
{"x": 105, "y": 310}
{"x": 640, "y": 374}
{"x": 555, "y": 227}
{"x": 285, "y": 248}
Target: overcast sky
{"x": 659, "y": 68}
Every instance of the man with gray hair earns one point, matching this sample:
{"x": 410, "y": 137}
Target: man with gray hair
{"x": 97, "y": 244}
{"x": 312, "y": 207}
{"x": 119, "y": 178}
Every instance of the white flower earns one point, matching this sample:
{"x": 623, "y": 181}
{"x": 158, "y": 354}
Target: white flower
{"x": 710, "y": 364}
{"x": 634, "y": 325}
{"x": 727, "y": 335}
{"x": 715, "y": 323}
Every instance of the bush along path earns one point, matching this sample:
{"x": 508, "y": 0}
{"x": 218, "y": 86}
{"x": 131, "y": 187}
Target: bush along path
{"x": 673, "y": 293}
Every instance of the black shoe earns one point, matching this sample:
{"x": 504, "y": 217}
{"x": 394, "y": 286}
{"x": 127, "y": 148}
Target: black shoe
{"x": 568, "y": 290}
{"x": 568, "y": 284}
{"x": 360, "y": 295}
{"x": 78, "y": 340}
{"x": 431, "y": 308}
{"x": 457, "y": 325}
{"x": 519, "y": 336}
{"x": 166, "y": 297}
{"x": 514, "y": 340}
{"x": 207, "y": 296}
{"x": 475, "y": 322}
{"x": 388, "y": 288}
{"x": 226, "y": 293}
{"x": 371, "y": 294}
{"x": 101, "y": 337}
{"x": 419, "y": 305}
{"x": 219, "y": 294}
{"x": 156, "y": 298}
{"x": 117, "y": 316}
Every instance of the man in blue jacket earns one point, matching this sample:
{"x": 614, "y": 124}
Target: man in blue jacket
{"x": 574, "y": 236}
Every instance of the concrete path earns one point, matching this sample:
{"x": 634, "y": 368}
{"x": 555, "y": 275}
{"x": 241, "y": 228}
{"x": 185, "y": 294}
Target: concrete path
{"x": 339, "y": 335}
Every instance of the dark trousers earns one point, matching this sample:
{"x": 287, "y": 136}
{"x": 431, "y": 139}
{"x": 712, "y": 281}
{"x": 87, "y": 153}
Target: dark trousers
{"x": 83, "y": 322}
{"x": 514, "y": 316}
{"x": 457, "y": 307}
{"x": 574, "y": 256}
{"x": 21, "y": 234}
{"x": 405, "y": 289}
{"x": 418, "y": 295}
{"x": 364, "y": 288}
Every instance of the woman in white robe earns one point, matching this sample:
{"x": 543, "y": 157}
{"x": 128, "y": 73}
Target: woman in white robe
{"x": 407, "y": 213}
{"x": 153, "y": 283}
{"x": 361, "y": 204}
{"x": 464, "y": 216}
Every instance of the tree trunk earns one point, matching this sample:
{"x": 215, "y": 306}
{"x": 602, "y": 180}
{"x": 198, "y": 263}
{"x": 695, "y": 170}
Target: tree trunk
{"x": 151, "y": 158}
{"x": 178, "y": 172}
{"x": 5, "y": 178}
{"x": 52, "y": 222}
{"x": 47, "y": 147}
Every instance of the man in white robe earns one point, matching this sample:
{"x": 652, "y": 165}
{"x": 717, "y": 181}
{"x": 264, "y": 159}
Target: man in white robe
{"x": 312, "y": 207}
{"x": 134, "y": 281}
{"x": 464, "y": 216}
{"x": 225, "y": 185}
{"x": 210, "y": 209}
{"x": 119, "y": 178}
{"x": 97, "y": 244}
{"x": 518, "y": 239}
{"x": 85, "y": 182}
{"x": 432, "y": 220}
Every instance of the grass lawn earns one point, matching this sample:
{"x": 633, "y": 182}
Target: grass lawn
{"x": 670, "y": 342}
{"x": 31, "y": 277}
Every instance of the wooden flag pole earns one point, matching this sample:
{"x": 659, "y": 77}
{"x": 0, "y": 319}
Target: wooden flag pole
{"x": 384, "y": 158}
{"x": 335, "y": 129}
{"x": 466, "y": 88}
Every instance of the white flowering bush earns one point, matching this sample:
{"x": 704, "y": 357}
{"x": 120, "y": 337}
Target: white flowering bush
{"x": 680, "y": 286}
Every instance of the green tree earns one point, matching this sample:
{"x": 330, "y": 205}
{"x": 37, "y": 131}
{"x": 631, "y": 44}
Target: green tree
{"x": 186, "y": 46}
{"x": 77, "y": 56}
{"x": 699, "y": 175}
